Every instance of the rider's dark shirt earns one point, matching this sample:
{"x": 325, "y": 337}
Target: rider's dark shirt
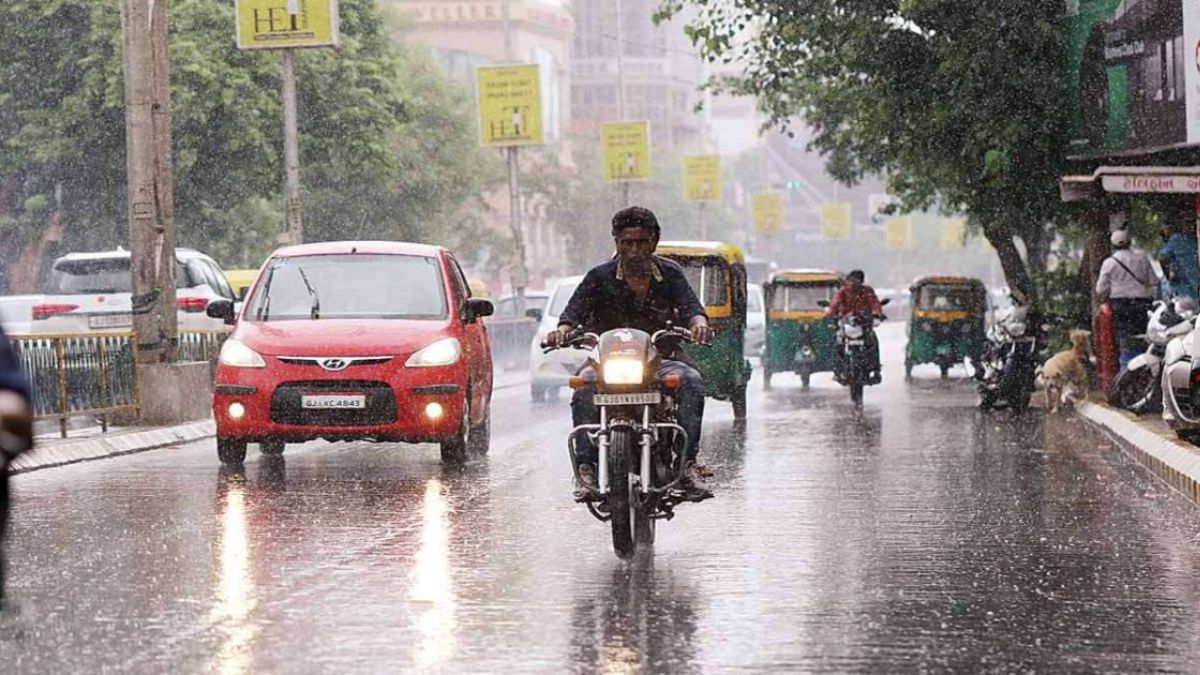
{"x": 12, "y": 377}
{"x": 604, "y": 300}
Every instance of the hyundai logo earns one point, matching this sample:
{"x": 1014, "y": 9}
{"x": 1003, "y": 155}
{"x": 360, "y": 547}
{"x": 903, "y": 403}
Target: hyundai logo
{"x": 334, "y": 364}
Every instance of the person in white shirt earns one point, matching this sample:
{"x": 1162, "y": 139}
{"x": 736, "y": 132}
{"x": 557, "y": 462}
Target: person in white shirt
{"x": 1127, "y": 282}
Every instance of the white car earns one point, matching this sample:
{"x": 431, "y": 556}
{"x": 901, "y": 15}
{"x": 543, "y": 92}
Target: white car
{"x": 16, "y": 313}
{"x": 756, "y": 321}
{"x": 549, "y": 372}
{"x": 91, "y": 292}
{"x": 506, "y": 307}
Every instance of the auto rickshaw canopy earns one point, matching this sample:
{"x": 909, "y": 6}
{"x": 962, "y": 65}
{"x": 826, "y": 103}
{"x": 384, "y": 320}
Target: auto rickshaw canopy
{"x": 948, "y": 298}
{"x": 732, "y": 298}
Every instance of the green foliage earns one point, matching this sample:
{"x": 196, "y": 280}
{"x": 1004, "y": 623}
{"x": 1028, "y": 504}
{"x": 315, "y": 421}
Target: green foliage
{"x": 959, "y": 102}
{"x": 386, "y": 141}
{"x": 1065, "y": 297}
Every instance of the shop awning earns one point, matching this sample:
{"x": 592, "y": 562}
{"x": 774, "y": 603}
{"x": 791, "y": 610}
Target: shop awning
{"x": 1131, "y": 180}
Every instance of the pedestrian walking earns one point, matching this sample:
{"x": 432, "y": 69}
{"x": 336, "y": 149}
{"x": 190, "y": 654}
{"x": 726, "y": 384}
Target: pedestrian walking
{"x": 1127, "y": 282}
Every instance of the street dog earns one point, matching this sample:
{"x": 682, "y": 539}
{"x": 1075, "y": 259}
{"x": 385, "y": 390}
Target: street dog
{"x": 1064, "y": 375}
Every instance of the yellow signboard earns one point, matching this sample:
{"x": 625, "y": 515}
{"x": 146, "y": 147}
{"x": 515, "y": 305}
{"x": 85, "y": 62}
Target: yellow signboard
{"x": 702, "y": 178}
{"x": 626, "y": 150}
{"x": 954, "y": 233}
{"x": 899, "y": 232}
{"x": 766, "y": 209}
{"x": 277, "y": 24}
{"x": 835, "y": 221}
{"x": 510, "y": 105}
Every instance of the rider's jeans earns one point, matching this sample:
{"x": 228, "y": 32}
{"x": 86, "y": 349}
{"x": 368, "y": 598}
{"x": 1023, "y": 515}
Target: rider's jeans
{"x": 689, "y": 396}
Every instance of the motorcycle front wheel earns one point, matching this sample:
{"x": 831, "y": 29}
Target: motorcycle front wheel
{"x": 622, "y": 499}
{"x": 1133, "y": 389}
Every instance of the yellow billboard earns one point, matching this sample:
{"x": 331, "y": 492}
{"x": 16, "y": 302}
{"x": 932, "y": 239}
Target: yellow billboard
{"x": 954, "y": 233}
{"x": 510, "y": 105}
{"x": 279, "y": 24}
{"x": 899, "y": 232}
{"x": 766, "y": 210}
{"x": 835, "y": 221}
{"x": 702, "y": 178}
{"x": 626, "y": 150}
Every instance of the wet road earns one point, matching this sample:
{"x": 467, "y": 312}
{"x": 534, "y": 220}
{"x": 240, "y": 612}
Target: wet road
{"x": 925, "y": 537}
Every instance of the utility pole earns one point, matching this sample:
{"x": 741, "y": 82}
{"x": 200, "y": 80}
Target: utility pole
{"x": 294, "y": 225}
{"x": 149, "y": 179}
{"x": 621, "y": 90}
{"x": 520, "y": 275}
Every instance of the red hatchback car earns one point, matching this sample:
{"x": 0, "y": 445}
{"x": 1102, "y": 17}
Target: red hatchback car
{"x": 352, "y": 341}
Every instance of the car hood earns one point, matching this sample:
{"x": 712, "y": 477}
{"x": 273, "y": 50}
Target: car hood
{"x": 339, "y": 337}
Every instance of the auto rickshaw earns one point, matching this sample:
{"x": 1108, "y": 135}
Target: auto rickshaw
{"x": 800, "y": 338}
{"x": 717, "y": 272}
{"x": 947, "y": 322}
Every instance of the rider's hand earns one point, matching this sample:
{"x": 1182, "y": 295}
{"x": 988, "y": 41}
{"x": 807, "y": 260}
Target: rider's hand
{"x": 556, "y": 337}
{"x": 701, "y": 333}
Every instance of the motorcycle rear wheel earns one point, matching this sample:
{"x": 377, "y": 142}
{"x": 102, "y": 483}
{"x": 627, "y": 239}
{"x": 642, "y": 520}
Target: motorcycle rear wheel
{"x": 1133, "y": 389}
{"x": 622, "y": 500}
{"x": 856, "y": 394}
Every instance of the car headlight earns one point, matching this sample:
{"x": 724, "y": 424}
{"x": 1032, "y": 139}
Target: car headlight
{"x": 235, "y": 354}
{"x": 623, "y": 371}
{"x": 444, "y": 352}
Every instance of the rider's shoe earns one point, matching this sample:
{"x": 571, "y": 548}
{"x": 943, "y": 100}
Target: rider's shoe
{"x": 585, "y": 484}
{"x": 694, "y": 486}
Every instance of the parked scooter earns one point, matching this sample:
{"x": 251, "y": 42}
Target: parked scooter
{"x": 1016, "y": 342}
{"x": 1181, "y": 385}
{"x": 1138, "y": 387}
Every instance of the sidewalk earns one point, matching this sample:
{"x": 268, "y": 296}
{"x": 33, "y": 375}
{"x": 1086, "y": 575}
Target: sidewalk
{"x": 1149, "y": 441}
{"x": 92, "y": 443}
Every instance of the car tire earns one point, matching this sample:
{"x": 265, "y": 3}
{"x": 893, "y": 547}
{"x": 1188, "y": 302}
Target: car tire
{"x": 272, "y": 448}
{"x": 537, "y": 394}
{"x": 480, "y": 440}
{"x": 231, "y": 452}
{"x": 454, "y": 450}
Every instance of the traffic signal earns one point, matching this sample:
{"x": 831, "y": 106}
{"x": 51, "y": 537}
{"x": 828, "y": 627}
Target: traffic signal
{"x": 794, "y": 184}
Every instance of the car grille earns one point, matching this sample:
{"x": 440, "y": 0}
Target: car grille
{"x": 380, "y": 407}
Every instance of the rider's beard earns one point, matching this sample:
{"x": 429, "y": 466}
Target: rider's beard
{"x": 637, "y": 264}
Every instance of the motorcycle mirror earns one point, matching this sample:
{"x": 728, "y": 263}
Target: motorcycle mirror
{"x": 822, "y": 303}
{"x": 885, "y": 301}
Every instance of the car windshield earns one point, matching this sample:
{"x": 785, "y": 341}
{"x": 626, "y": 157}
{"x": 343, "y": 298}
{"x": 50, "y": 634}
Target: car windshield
{"x": 800, "y": 298}
{"x": 948, "y": 298}
{"x": 100, "y": 275}
{"x": 350, "y": 286}
{"x": 707, "y": 279}
{"x": 507, "y": 307}
{"x": 562, "y": 295}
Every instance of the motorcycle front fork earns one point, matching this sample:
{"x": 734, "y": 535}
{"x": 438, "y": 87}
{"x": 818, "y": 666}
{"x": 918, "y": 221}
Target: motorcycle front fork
{"x": 648, "y": 431}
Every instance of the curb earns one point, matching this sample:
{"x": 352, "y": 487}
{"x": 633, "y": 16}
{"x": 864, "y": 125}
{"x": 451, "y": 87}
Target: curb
{"x": 67, "y": 451}
{"x": 1174, "y": 461}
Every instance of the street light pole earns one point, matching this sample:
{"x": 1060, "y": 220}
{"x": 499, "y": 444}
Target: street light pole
{"x": 291, "y": 152}
{"x": 621, "y": 90}
{"x": 520, "y": 275}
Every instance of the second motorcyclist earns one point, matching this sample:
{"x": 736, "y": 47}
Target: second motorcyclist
{"x": 637, "y": 289}
{"x": 856, "y": 297}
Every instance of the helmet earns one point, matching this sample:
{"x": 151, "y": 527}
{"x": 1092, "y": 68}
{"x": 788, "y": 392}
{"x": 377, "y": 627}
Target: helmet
{"x": 1119, "y": 238}
{"x": 1185, "y": 305}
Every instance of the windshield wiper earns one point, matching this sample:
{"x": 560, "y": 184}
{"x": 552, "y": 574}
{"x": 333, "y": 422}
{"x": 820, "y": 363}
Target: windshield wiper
{"x": 265, "y": 309}
{"x": 316, "y": 301}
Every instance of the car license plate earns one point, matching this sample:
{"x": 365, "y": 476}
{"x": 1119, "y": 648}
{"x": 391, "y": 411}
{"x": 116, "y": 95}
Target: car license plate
{"x": 333, "y": 401}
{"x": 651, "y": 398}
{"x": 110, "y": 321}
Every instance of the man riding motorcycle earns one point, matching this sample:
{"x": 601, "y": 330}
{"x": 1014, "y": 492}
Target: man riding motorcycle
{"x": 855, "y": 297}
{"x": 637, "y": 289}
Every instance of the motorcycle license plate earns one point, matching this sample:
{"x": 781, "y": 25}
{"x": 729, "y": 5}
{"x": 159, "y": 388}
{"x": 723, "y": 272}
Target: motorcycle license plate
{"x": 333, "y": 401}
{"x": 855, "y": 343}
{"x": 651, "y": 398}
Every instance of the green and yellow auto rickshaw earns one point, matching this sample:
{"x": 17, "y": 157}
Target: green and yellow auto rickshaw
{"x": 947, "y": 322}
{"x": 717, "y": 273}
{"x": 799, "y": 337}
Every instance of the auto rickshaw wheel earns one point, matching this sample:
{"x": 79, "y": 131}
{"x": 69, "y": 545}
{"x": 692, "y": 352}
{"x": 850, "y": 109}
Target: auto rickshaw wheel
{"x": 804, "y": 378}
{"x": 945, "y": 370}
{"x": 739, "y": 403}
{"x": 908, "y": 366}
{"x": 767, "y": 378}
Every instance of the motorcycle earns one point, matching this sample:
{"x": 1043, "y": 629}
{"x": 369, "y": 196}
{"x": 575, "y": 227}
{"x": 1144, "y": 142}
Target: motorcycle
{"x": 1016, "y": 342}
{"x": 1137, "y": 388}
{"x": 1180, "y": 384}
{"x": 641, "y": 444}
{"x": 854, "y": 364}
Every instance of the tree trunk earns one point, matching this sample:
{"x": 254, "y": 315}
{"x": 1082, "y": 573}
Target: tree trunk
{"x": 1037, "y": 251}
{"x": 1015, "y": 272}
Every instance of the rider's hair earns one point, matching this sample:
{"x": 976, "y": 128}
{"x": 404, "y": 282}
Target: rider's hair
{"x": 635, "y": 216}
{"x": 857, "y": 274}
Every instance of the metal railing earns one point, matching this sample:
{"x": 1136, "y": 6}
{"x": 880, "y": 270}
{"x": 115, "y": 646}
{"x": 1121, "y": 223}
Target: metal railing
{"x": 94, "y": 374}
{"x": 85, "y": 374}
{"x": 510, "y": 340}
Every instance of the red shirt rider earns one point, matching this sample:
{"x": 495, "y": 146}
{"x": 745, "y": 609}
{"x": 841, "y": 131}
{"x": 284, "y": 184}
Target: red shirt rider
{"x": 854, "y": 297}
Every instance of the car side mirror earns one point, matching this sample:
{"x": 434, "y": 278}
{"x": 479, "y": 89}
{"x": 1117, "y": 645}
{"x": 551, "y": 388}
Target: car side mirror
{"x": 534, "y": 313}
{"x": 221, "y": 309}
{"x": 477, "y": 308}
{"x": 242, "y": 291}
{"x": 884, "y": 301}
{"x": 822, "y": 303}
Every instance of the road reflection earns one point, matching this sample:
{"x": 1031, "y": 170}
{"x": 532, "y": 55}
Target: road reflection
{"x": 432, "y": 587}
{"x": 235, "y": 599}
{"x": 640, "y": 621}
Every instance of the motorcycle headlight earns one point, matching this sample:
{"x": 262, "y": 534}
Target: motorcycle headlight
{"x": 444, "y": 352}
{"x": 1016, "y": 329}
{"x": 623, "y": 371}
{"x": 235, "y": 354}
{"x": 964, "y": 328}
{"x": 853, "y": 331}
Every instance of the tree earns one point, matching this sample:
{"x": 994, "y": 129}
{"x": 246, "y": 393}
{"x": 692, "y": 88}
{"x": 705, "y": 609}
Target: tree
{"x": 958, "y": 102}
{"x": 387, "y": 150}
